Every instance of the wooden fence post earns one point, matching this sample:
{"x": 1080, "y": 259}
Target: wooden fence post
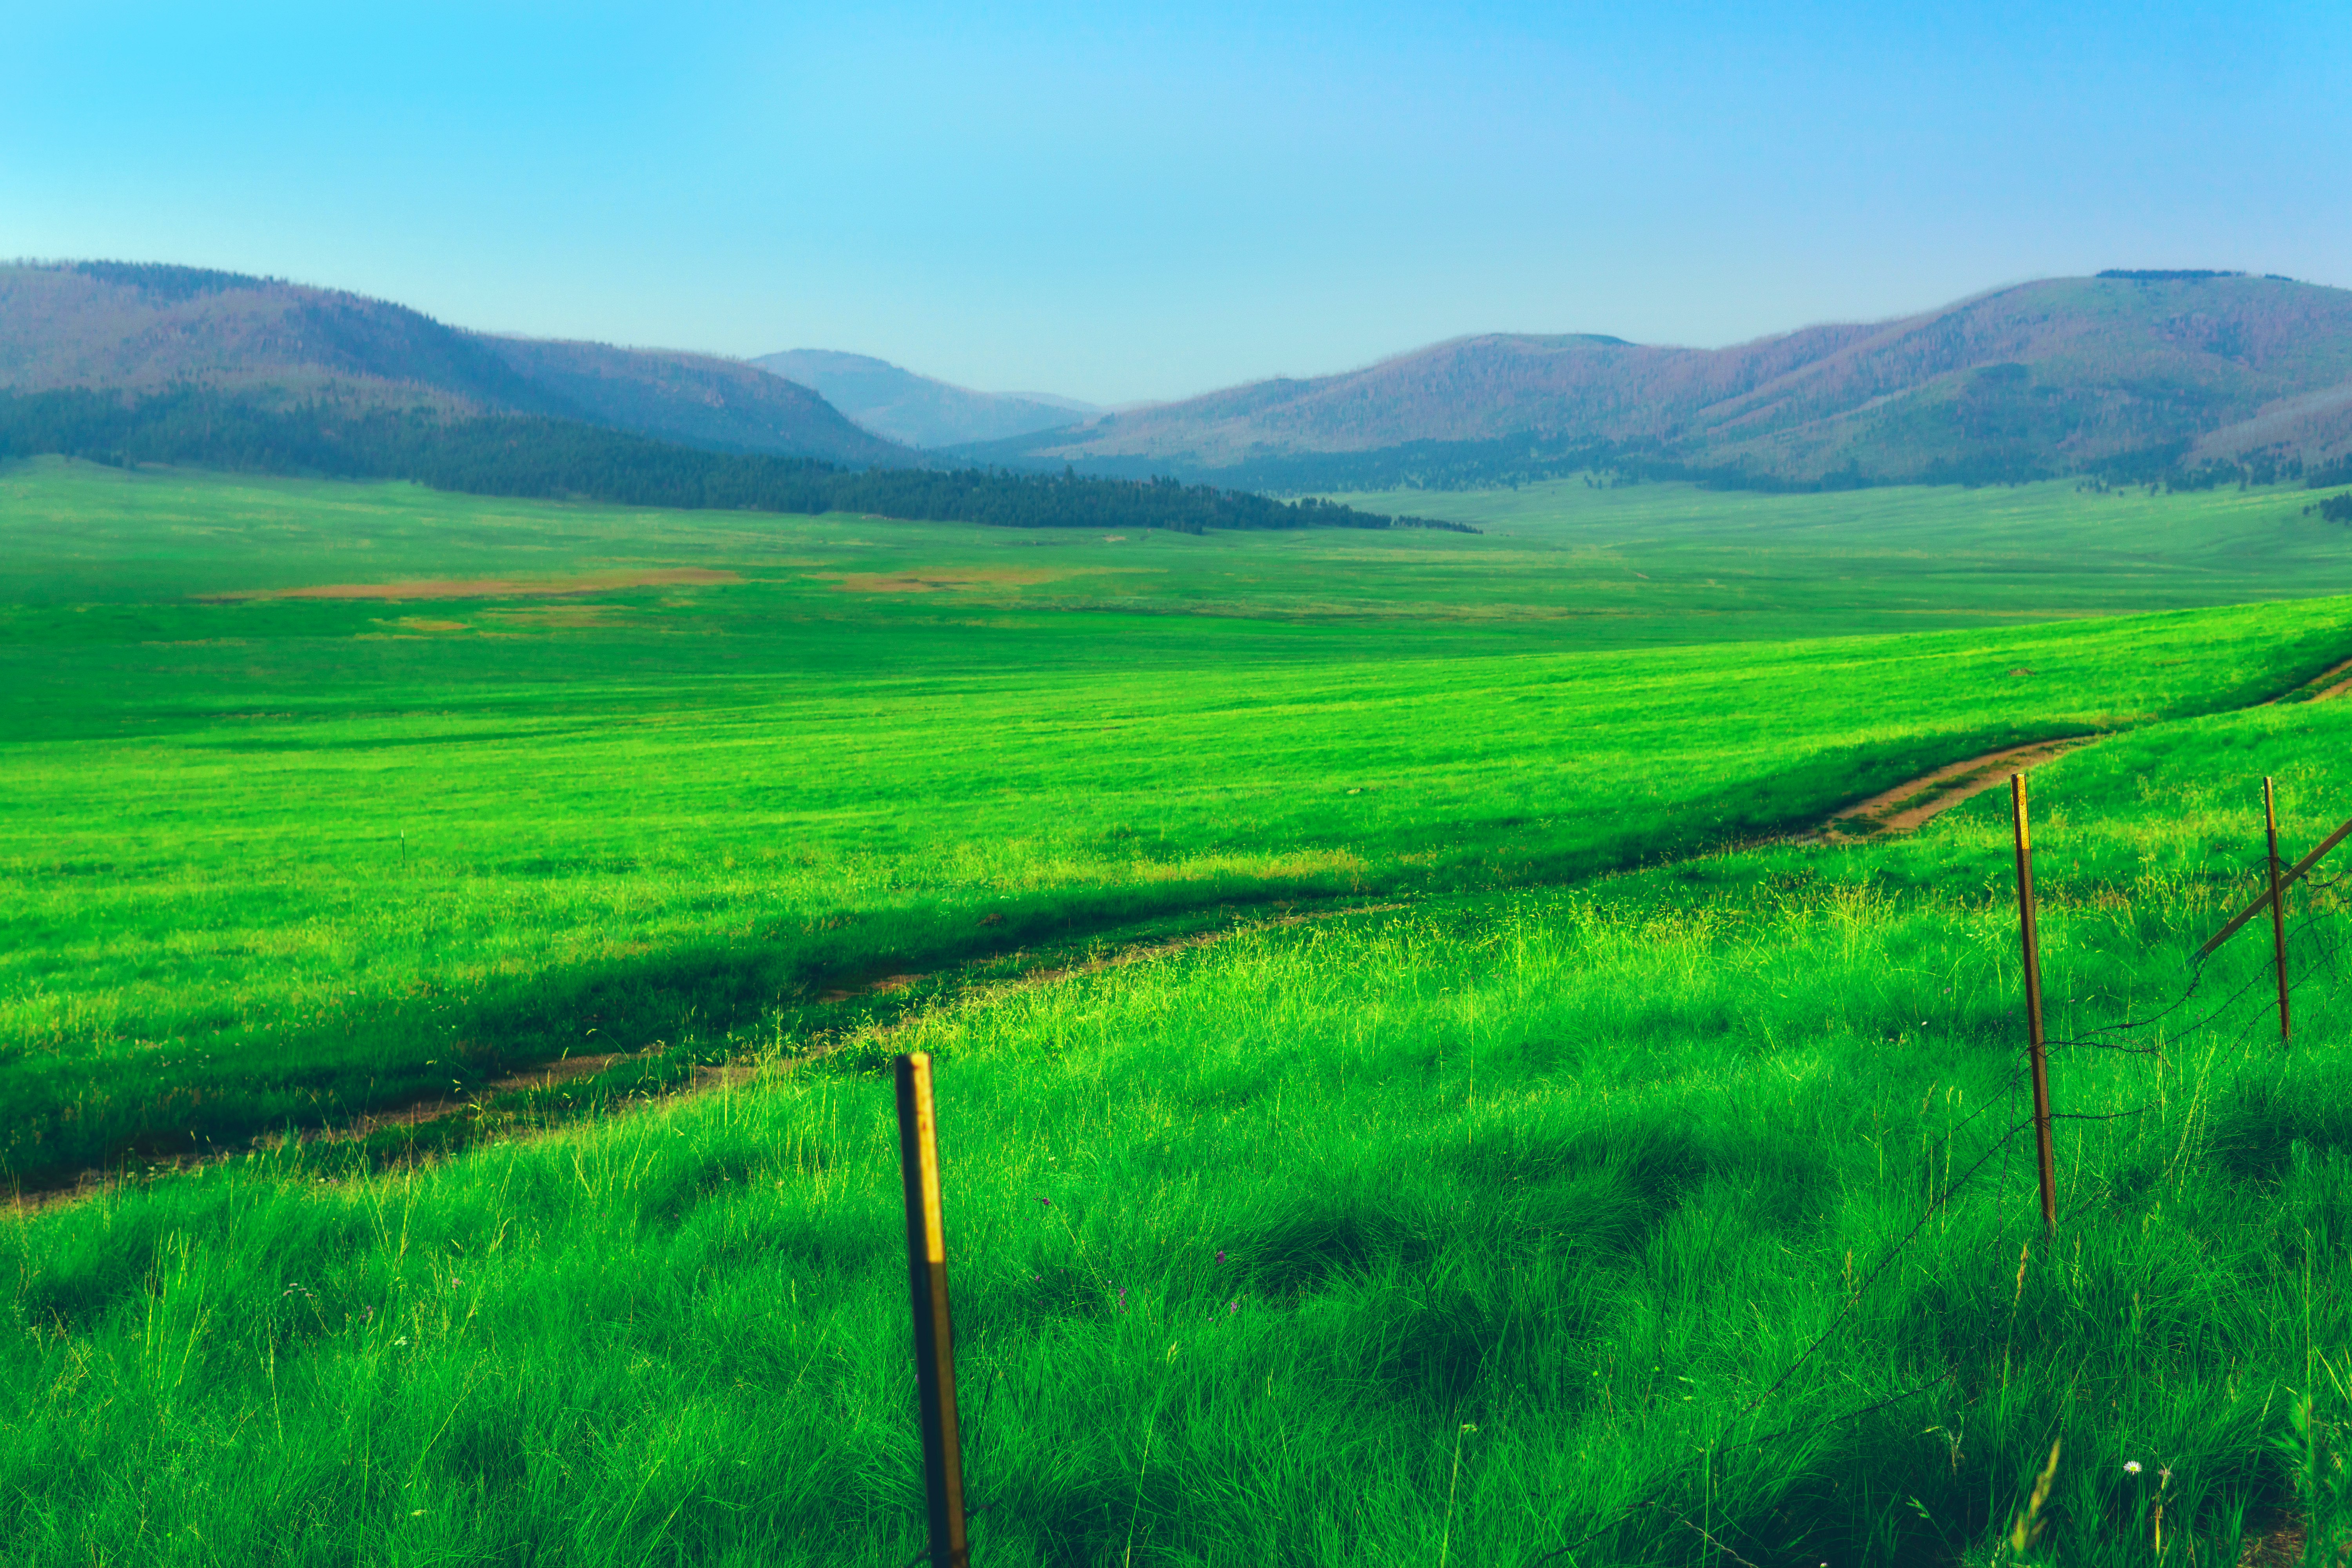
{"x": 926, "y": 1279}
{"x": 2045, "y": 1160}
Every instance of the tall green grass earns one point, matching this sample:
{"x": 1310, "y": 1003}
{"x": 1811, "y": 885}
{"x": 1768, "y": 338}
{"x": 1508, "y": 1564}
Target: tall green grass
{"x": 267, "y": 862}
{"x": 1606, "y": 1200}
{"x": 259, "y": 923}
{"x": 1512, "y": 1224}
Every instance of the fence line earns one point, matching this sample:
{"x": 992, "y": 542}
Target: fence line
{"x": 947, "y": 1544}
{"x": 2305, "y": 927}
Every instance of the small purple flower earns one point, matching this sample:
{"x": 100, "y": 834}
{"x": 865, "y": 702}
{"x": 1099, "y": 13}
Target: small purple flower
{"x": 1234, "y": 1308}
{"x": 1221, "y": 1255}
{"x": 1047, "y": 1202}
{"x": 1122, "y": 1298}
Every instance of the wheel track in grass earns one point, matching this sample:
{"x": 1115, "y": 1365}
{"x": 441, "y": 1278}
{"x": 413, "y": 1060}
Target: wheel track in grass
{"x": 2340, "y": 681}
{"x": 987, "y": 992}
{"x": 95, "y": 1181}
{"x": 1902, "y": 809}
{"x": 1916, "y": 802}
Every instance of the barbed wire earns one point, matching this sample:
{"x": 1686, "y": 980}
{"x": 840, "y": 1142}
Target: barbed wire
{"x": 2086, "y": 1042}
{"x": 1879, "y": 1269}
{"x": 2309, "y": 927}
{"x": 2301, "y": 925}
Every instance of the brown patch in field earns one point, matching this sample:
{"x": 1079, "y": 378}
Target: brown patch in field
{"x": 419, "y": 624}
{"x": 562, "y": 615}
{"x": 1909, "y": 805}
{"x": 486, "y": 587}
{"x": 952, "y": 578}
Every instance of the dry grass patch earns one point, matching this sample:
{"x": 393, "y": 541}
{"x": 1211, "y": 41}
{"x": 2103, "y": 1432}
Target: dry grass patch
{"x": 488, "y": 587}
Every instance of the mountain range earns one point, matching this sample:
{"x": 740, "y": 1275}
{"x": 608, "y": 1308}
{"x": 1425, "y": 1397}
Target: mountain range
{"x": 142, "y": 329}
{"x": 139, "y": 363}
{"x": 2129, "y": 371}
{"x": 917, "y": 410}
{"x": 2129, "y": 374}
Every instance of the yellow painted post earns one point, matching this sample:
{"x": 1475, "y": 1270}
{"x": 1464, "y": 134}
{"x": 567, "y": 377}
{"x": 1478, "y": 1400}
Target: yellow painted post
{"x": 926, "y": 1277}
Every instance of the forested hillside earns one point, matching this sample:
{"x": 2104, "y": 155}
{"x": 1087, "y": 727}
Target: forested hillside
{"x": 129, "y": 363}
{"x": 532, "y": 455}
{"x": 2125, "y": 375}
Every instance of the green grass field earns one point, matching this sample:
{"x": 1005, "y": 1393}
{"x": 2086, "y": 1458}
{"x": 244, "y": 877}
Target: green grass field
{"x": 1932, "y": 555}
{"x": 1478, "y": 1197}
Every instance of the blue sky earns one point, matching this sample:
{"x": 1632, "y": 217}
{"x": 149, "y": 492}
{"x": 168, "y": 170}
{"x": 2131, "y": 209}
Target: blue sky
{"x": 1146, "y": 200}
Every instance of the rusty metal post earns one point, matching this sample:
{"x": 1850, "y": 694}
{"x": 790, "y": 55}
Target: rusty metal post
{"x": 2278, "y": 906}
{"x": 926, "y": 1277}
{"x": 2045, "y": 1160}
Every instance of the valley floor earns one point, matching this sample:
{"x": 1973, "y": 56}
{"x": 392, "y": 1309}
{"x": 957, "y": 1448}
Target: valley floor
{"x": 1571, "y": 1188}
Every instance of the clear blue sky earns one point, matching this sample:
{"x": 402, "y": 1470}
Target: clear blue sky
{"x": 1145, "y": 201}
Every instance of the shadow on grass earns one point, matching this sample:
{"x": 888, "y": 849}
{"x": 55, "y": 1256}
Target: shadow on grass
{"x": 661, "y": 1015}
{"x": 670, "y": 1012}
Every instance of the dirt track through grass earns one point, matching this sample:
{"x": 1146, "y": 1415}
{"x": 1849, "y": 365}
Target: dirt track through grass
{"x": 488, "y": 1103}
{"x": 1913, "y": 803}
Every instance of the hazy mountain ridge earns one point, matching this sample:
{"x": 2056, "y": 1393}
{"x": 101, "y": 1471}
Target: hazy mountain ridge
{"x": 140, "y": 329}
{"x": 695, "y": 399}
{"x": 921, "y": 410}
{"x": 2046, "y": 377}
{"x": 130, "y": 365}
{"x": 2119, "y": 373}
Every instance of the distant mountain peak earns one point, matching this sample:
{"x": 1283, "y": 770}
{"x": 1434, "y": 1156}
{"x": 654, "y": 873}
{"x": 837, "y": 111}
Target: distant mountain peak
{"x": 922, "y": 410}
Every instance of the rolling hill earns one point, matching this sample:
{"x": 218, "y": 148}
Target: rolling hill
{"x": 142, "y": 329}
{"x": 916, "y": 409}
{"x": 130, "y": 365}
{"x": 2124, "y": 373}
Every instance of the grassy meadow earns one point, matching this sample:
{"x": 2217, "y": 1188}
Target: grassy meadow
{"x": 1525, "y": 1176}
{"x": 1927, "y": 554}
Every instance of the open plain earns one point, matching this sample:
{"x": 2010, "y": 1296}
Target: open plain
{"x": 1417, "y": 1082}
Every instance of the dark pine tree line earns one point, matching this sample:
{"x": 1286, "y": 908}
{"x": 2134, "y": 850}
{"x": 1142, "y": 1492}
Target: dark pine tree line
{"x": 533, "y": 456}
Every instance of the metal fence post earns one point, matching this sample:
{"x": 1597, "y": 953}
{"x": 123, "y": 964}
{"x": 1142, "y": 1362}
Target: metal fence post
{"x": 2045, "y": 1160}
{"x": 2278, "y": 905}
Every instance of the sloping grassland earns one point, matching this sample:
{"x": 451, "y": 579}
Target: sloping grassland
{"x": 1580, "y": 1209}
